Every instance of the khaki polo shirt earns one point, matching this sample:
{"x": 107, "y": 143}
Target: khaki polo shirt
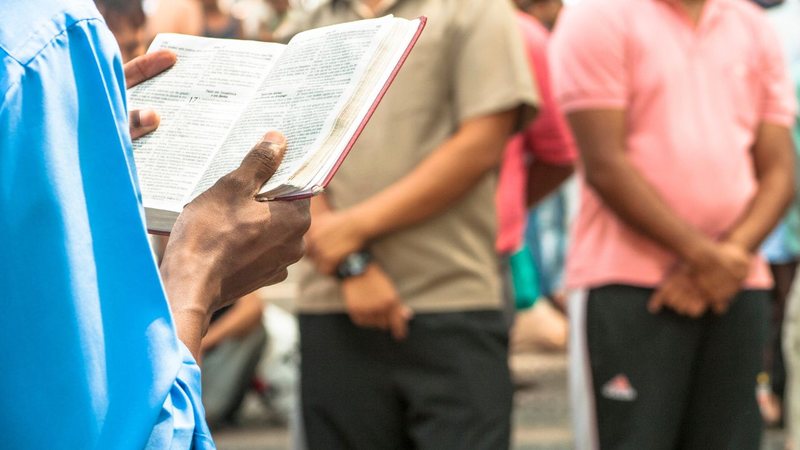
{"x": 469, "y": 62}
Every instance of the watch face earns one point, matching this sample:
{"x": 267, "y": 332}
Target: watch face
{"x": 354, "y": 264}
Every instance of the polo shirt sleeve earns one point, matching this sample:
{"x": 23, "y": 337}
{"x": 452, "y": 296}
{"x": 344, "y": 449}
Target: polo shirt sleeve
{"x": 779, "y": 105}
{"x": 587, "y": 53}
{"x": 490, "y": 72}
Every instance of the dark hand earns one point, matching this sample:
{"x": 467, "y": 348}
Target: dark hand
{"x": 226, "y": 244}
{"x": 372, "y": 301}
{"x": 142, "y": 69}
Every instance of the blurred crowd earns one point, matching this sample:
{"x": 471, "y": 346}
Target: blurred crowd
{"x": 613, "y": 174}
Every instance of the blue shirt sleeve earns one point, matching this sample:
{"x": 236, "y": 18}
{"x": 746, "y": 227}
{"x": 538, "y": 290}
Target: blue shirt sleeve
{"x": 89, "y": 356}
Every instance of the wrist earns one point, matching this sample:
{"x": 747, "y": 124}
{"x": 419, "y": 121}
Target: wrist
{"x": 188, "y": 283}
{"x": 354, "y": 265}
{"x": 740, "y": 241}
{"x": 697, "y": 250}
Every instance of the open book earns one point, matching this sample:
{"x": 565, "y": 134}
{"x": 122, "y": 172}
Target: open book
{"x": 223, "y": 95}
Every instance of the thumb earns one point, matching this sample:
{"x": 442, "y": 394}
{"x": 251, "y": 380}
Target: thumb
{"x": 263, "y": 160}
{"x": 142, "y": 122}
{"x": 656, "y": 302}
{"x": 398, "y": 321}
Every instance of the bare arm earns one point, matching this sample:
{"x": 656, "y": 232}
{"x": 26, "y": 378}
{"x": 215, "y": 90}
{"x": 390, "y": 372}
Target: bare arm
{"x": 600, "y": 137}
{"x": 243, "y": 316}
{"x": 773, "y": 160}
{"x": 440, "y": 180}
{"x": 544, "y": 178}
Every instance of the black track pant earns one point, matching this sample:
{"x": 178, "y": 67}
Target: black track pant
{"x": 665, "y": 381}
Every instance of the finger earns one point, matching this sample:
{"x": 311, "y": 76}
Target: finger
{"x": 399, "y": 317}
{"x": 656, "y": 303}
{"x": 358, "y": 319}
{"x": 147, "y": 66}
{"x": 379, "y": 320}
{"x": 263, "y": 160}
{"x": 696, "y": 309}
{"x": 142, "y": 122}
{"x": 720, "y": 308}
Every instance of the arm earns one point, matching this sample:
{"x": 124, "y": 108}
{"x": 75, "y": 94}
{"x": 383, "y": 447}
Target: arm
{"x": 548, "y": 138}
{"x": 244, "y": 315}
{"x": 371, "y": 298}
{"x": 718, "y": 269}
{"x": 544, "y": 178}
{"x": 440, "y": 180}
{"x": 600, "y": 137}
{"x": 773, "y": 160}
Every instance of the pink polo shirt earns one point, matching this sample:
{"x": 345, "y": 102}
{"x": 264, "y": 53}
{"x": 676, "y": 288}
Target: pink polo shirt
{"x": 694, "y": 98}
{"x": 547, "y": 139}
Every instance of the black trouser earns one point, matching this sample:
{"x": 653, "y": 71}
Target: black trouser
{"x": 665, "y": 381}
{"x": 447, "y": 386}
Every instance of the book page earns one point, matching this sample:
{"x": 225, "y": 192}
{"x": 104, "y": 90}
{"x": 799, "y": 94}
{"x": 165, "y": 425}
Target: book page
{"x": 199, "y": 100}
{"x": 354, "y": 113}
{"x": 302, "y": 96}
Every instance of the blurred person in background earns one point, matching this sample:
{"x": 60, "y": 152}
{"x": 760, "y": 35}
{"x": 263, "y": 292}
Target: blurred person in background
{"x": 535, "y": 163}
{"x": 126, "y": 20}
{"x": 219, "y": 23}
{"x": 274, "y": 27}
{"x": 416, "y": 238}
{"x": 231, "y": 349}
{"x": 683, "y": 124}
{"x": 175, "y": 16}
{"x": 782, "y": 247}
{"x": 265, "y": 20}
{"x": 545, "y": 11}
{"x": 785, "y": 17}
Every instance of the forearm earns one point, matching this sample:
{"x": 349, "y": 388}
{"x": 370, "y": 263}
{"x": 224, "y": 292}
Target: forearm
{"x": 600, "y": 135}
{"x": 773, "y": 196}
{"x": 545, "y": 178}
{"x": 440, "y": 180}
{"x": 626, "y": 192}
{"x": 244, "y": 316}
{"x": 187, "y": 292}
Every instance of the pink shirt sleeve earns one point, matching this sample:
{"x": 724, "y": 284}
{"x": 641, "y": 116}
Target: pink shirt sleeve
{"x": 778, "y": 97}
{"x": 548, "y": 137}
{"x": 587, "y": 57}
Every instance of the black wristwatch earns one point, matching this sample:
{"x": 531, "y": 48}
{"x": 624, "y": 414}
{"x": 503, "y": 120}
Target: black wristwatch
{"x": 353, "y": 265}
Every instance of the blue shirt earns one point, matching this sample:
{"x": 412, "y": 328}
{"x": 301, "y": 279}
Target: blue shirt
{"x": 89, "y": 356}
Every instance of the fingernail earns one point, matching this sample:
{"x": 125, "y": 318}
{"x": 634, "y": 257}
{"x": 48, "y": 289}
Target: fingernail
{"x": 148, "y": 118}
{"x": 275, "y": 137}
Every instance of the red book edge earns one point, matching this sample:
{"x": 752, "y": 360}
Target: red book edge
{"x": 422, "y": 21}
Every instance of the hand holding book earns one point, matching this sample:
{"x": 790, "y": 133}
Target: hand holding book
{"x": 222, "y": 95}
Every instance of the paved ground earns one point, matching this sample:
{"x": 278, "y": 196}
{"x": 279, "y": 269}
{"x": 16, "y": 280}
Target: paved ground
{"x": 541, "y": 414}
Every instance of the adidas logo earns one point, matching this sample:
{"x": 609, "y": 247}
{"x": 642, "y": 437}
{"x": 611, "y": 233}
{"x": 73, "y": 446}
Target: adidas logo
{"x": 619, "y": 388}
